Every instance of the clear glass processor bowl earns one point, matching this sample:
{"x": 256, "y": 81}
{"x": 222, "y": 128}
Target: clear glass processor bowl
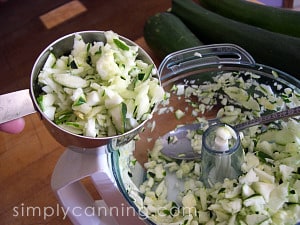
{"x": 189, "y": 67}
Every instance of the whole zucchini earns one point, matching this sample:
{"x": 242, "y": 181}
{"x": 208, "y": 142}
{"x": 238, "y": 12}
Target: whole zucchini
{"x": 165, "y": 33}
{"x": 266, "y": 47}
{"x": 271, "y": 18}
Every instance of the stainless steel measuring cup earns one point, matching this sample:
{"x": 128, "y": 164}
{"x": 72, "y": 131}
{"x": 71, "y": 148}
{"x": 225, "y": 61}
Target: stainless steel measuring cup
{"x": 21, "y": 103}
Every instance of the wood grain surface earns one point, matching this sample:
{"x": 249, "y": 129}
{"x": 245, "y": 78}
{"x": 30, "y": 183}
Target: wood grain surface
{"x": 27, "y": 159}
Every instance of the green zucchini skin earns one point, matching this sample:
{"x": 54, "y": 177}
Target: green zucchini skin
{"x": 278, "y": 20}
{"x": 271, "y": 18}
{"x": 166, "y": 33}
{"x": 266, "y": 47}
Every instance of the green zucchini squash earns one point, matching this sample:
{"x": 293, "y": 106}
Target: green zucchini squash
{"x": 266, "y": 47}
{"x": 271, "y": 18}
{"x": 165, "y": 33}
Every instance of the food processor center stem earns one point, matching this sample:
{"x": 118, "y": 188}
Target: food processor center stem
{"x": 222, "y": 154}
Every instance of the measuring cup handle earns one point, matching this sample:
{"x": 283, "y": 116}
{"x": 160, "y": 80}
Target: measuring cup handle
{"x": 77, "y": 202}
{"x": 15, "y": 105}
{"x": 201, "y": 56}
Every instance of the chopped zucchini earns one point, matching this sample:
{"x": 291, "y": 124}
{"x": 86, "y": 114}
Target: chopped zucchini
{"x": 118, "y": 114}
{"x": 70, "y": 81}
{"x": 95, "y": 84}
{"x": 267, "y": 192}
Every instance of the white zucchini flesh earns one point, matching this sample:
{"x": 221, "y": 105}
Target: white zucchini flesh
{"x": 118, "y": 114}
{"x": 99, "y": 75}
{"x": 68, "y": 80}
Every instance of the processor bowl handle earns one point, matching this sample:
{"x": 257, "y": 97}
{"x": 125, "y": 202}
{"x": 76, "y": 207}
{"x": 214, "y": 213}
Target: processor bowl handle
{"x": 75, "y": 165}
{"x": 203, "y": 56}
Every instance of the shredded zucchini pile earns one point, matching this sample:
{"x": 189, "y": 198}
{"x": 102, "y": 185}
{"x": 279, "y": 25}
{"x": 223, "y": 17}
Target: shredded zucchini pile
{"x": 268, "y": 191}
{"x": 100, "y": 89}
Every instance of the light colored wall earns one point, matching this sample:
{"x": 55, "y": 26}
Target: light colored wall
{"x": 296, "y": 3}
{"x": 276, "y": 3}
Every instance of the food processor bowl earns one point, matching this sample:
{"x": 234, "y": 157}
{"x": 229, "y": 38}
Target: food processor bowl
{"x": 187, "y": 67}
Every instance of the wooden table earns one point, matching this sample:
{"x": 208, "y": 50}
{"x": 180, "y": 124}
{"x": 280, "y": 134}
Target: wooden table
{"x": 27, "y": 160}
